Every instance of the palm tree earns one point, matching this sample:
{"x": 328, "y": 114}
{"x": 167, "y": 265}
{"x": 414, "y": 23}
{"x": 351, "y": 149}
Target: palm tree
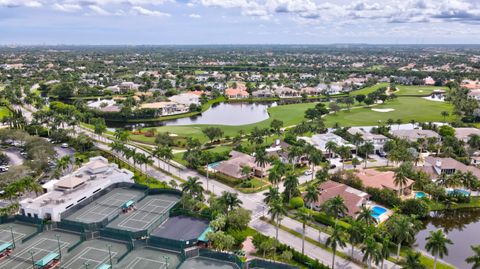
{"x": 437, "y": 245}
{"x": 158, "y": 153}
{"x": 368, "y": 147}
{"x": 356, "y": 234}
{"x": 277, "y": 211}
{"x": 412, "y": 261}
{"x": 444, "y": 114}
{"x": 475, "y": 259}
{"x": 272, "y": 195}
{"x": 312, "y": 195}
{"x": 291, "y": 186}
{"x": 344, "y": 153}
{"x": 229, "y": 201}
{"x": 357, "y": 139}
{"x": 385, "y": 250}
{"x": 336, "y": 239}
{"x": 403, "y": 229}
{"x": 304, "y": 216}
{"x": 193, "y": 186}
{"x": 371, "y": 251}
{"x": 315, "y": 156}
{"x": 365, "y": 216}
{"x": 400, "y": 179}
{"x": 331, "y": 146}
{"x": 335, "y": 207}
{"x": 261, "y": 158}
{"x": 167, "y": 155}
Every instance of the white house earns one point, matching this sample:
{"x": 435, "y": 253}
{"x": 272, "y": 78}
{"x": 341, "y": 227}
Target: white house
{"x": 185, "y": 99}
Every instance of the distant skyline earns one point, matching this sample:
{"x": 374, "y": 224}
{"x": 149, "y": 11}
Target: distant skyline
{"x": 164, "y": 22}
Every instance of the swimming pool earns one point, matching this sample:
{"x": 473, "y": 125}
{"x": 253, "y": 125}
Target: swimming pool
{"x": 420, "y": 195}
{"x": 213, "y": 165}
{"x": 459, "y": 191}
{"x": 378, "y": 211}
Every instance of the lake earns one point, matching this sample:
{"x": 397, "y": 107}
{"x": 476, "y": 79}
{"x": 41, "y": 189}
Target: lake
{"x": 462, "y": 227}
{"x": 221, "y": 113}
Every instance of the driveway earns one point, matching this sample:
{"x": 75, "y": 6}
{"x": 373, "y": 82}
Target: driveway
{"x": 14, "y": 156}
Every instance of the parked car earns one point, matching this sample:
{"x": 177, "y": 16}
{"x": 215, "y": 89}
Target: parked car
{"x": 64, "y": 145}
{"x": 3, "y": 168}
{"x": 332, "y": 166}
{"x": 382, "y": 153}
{"x": 308, "y": 172}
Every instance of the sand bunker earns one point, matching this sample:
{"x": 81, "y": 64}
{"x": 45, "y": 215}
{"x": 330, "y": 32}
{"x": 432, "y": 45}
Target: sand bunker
{"x": 383, "y": 109}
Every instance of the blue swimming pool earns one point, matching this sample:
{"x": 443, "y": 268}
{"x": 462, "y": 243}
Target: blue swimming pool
{"x": 459, "y": 191}
{"x": 213, "y": 165}
{"x": 420, "y": 195}
{"x": 378, "y": 211}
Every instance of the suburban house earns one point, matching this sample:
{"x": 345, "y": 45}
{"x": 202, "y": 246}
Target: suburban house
{"x": 429, "y": 81}
{"x": 378, "y": 140}
{"x": 311, "y": 91}
{"x": 165, "y": 108}
{"x": 279, "y": 149}
{"x": 435, "y": 166}
{"x": 285, "y": 92}
{"x": 353, "y": 198}
{"x": 464, "y": 134}
{"x": 414, "y": 134}
{"x": 266, "y": 93}
{"x": 382, "y": 180}
{"x": 474, "y": 94}
{"x": 320, "y": 141}
{"x": 231, "y": 93}
{"x": 185, "y": 99}
{"x": 233, "y": 166}
{"x": 74, "y": 188}
{"x": 127, "y": 86}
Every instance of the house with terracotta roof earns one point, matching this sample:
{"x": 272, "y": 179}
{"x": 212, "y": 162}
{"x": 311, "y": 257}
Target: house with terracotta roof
{"x": 382, "y": 180}
{"x": 353, "y": 198}
{"x": 238, "y": 93}
{"x": 464, "y": 134}
{"x": 414, "y": 134}
{"x": 233, "y": 166}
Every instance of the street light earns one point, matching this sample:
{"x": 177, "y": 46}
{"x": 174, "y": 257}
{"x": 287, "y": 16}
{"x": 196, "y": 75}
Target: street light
{"x": 13, "y": 237}
{"x": 59, "y": 248}
{"x": 33, "y": 261}
{"x": 110, "y": 254}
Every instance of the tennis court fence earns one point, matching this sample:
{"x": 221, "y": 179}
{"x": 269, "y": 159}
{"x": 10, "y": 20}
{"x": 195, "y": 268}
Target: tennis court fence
{"x": 223, "y": 256}
{"x": 266, "y": 264}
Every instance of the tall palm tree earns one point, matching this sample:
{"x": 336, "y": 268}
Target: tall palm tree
{"x": 315, "y": 156}
{"x": 271, "y": 195}
{"x": 444, "y": 114}
{"x": 261, "y": 158}
{"x": 277, "y": 211}
{"x": 365, "y": 216}
{"x": 344, "y": 153}
{"x": 368, "y": 147}
{"x": 167, "y": 155}
{"x": 312, "y": 195}
{"x": 291, "y": 186}
{"x": 304, "y": 216}
{"x": 437, "y": 245}
{"x": 193, "y": 186}
{"x": 336, "y": 240}
{"x": 331, "y": 146}
{"x": 335, "y": 207}
{"x": 385, "y": 250}
{"x": 475, "y": 259}
{"x": 229, "y": 201}
{"x": 158, "y": 153}
{"x": 403, "y": 229}
{"x": 356, "y": 234}
{"x": 400, "y": 179}
{"x": 371, "y": 251}
{"x": 412, "y": 261}
{"x": 357, "y": 139}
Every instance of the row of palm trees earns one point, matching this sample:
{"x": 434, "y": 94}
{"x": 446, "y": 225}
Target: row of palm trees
{"x": 131, "y": 153}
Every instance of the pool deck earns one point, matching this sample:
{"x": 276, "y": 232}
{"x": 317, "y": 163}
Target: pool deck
{"x": 383, "y": 217}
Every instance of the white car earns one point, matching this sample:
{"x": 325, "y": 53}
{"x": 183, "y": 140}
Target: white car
{"x": 64, "y": 145}
{"x": 3, "y": 168}
{"x": 308, "y": 172}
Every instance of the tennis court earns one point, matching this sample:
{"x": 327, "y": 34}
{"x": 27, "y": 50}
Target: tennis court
{"x": 107, "y": 206}
{"x": 148, "y": 213}
{"x": 94, "y": 253}
{"x": 38, "y": 247}
{"x": 20, "y": 231}
{"x": 206, "y": 263}
{"x": 150, "y": 258}
{"x": 181, "y": 228}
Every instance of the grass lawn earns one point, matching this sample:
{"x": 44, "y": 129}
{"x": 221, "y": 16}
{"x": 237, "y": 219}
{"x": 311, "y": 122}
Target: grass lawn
{"x": 4, "y": 112}
{"x": 416, "y": 90}
{"x": 406, "y": 109}
{"x": 370, "y": 89}
{"x": 474, "y": 203}
{"x": 289, "y": 114}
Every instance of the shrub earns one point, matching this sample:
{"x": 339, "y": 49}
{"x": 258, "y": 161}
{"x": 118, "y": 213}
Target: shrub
{"x": 384, "y": 196}
{"x": 296, "y": 202}
{"x": 417, "y": 207}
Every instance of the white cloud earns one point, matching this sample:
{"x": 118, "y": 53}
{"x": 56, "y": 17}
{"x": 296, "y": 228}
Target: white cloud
{"x": 99, "y": 11}
{"x": 147, "y": 12}
{"x": 195, "y": 16}
{"x": 66, "y": 7}
{"x": 20, "y": 3}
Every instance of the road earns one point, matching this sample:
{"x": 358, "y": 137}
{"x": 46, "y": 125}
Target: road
{"x": 253, "y": 202}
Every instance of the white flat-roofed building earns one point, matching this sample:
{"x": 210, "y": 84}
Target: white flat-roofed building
{"x": 320, "y": 141}
{"x": 74, "y": 188}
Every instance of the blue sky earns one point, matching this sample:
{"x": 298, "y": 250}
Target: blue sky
{"x": 239, "y": 21}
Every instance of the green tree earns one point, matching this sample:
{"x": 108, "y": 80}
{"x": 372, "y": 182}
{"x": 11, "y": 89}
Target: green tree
{"x": 212, "y": 133}
{"x": 335, "y": 207}
{"x": 271, "y": 195}
{"x": 336, "y": 240}
{"x": 371, "y": 250}
{"x": 312, "y": 195}
{"x": 403, "y": 229}
{"x": 276, "y": 125}
{"x": 194, "y": 187}
{"x": 437, "y": 245}
{"x": 365, "y": 216}
{"x": 277, "y": 210}
{"x": 291, "y": 187}
{"x": 412, "y": 261}
{"x": 304, "y": 217}
{"x": 356, "y": 234}
{"x": 475, "y": 259}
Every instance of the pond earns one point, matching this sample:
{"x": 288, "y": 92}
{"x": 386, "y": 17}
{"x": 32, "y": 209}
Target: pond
{"x": 222, "y": 113}
{"x": 462, "y": 227}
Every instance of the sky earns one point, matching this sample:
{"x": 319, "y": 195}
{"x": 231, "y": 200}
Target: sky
{"x": 160, "y": 22}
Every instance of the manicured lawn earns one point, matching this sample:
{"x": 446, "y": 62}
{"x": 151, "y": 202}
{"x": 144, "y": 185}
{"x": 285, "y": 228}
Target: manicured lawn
{"x": 289, "y": 114}
{"x": 4, "y": 112}
{"x": 368, "y": 90}
{"x": 405, "y": 108}
{"x": 416, "y": 90}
